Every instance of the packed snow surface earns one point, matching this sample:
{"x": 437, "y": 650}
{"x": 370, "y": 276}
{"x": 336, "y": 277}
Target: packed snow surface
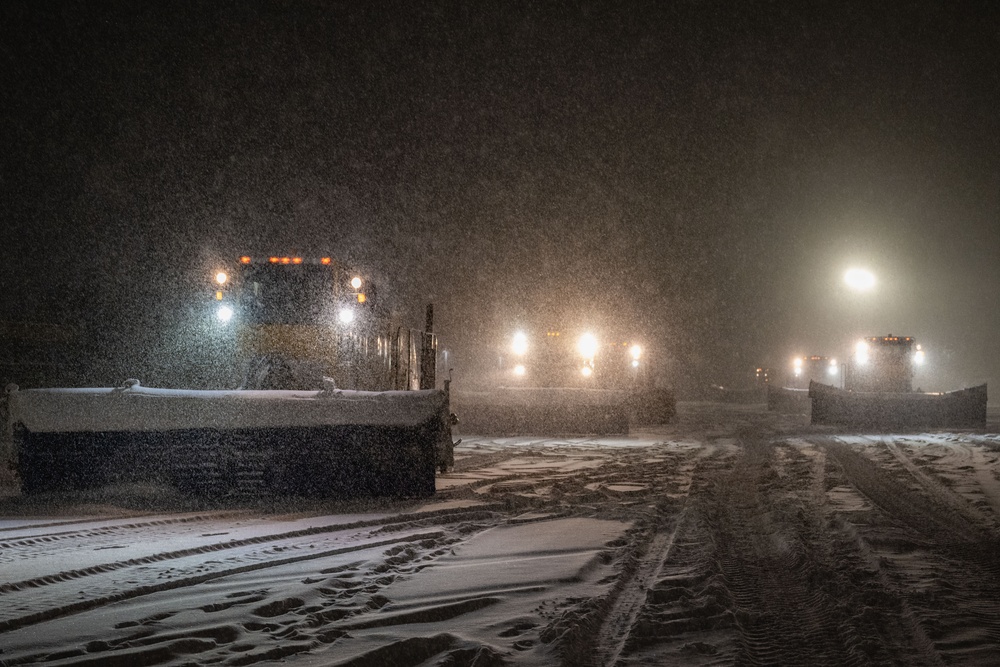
{"x": 734, "y": 536}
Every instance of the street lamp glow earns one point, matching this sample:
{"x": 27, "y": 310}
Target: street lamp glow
{"x": 860, "y": 280}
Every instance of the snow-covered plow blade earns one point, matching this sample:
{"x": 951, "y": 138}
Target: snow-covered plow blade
{"x": 651, "y": 406}
{"x": 787, "y": 400}
{"x": 964, "y": 408}
{"x": 342, "y": 444}
{"x": 543, "y": 411}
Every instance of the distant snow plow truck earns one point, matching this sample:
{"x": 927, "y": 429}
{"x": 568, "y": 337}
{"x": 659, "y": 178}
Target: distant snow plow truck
{"x": 793, "y": 396}
{"x": 878, "y": 392}
{"x": 338, "y": 400}
{"x": 566, "y": 381}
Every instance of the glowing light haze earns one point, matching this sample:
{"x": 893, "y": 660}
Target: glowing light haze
{"x": 860, "y": 280}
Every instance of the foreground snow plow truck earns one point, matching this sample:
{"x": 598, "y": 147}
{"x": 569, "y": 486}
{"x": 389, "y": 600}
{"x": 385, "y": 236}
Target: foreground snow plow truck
{"x": 566, "y": 381}
{"x": 339, "y": 400}
{"x": 878, "y": 392}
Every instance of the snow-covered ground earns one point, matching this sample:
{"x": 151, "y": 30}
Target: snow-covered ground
{"x": 732, "y": 536}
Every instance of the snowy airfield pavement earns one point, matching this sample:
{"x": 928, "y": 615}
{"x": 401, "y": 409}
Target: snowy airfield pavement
{"x": 731, "y": 536}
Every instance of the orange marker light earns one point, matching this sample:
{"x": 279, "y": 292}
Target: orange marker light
{"x": 286, "y": 260}
{"x": 273, "y": 260}
{"x": 244, "y": 259}
{"x": 325, "y": 260}
{"x": 296, "y": 260}
{"x": 362, "y": 298}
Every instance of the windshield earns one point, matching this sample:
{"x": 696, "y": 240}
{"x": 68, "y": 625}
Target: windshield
{"x": 279, "y": 294}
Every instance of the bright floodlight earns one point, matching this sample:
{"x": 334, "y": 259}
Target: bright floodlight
{"x": 636, "y": 352}
{"x": 918, "y": 356}
{"x": 520, "y": 345}
{"x": 520, "y": 369}
{"x": 587, "y": 371}
{"x": 859, "y": 279}
{"x": 587, "y": 346}
{"x": 224, "y": 313}
{"x": 346, "y": 316}
{"x": 221, "y": 277}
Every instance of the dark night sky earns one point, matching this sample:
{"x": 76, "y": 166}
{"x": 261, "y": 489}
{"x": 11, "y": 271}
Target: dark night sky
{"x": 706, "y": 171}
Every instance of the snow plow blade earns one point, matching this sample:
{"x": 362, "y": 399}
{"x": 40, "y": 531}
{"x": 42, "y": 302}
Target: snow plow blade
{"x": 964, "y": 408}
{"x": 342, "y": 444}
{"x": 543, "y": 411}
{"x": 787, "y": 400}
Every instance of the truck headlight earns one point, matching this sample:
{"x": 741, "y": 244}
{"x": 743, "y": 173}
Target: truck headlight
{"x": 224, "y": 313}
{"x": 346, "y": 316}
{"x": 636, "y": 352}
{"x": 861, "y": 353}
{"x": 586, "y": 371}
{"x": 520, "y": 370}
{"x": 587, "y": 346}
{"x": 520, "y": 344}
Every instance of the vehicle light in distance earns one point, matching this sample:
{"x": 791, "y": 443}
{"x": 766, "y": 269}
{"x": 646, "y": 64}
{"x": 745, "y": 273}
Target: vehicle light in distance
{"x": 520, "y": 370}
{"x": 520, "y": 344}
{"x": 861, "y": 353}
{"x": 586, "y": 371}
{"x": 587, "y": 346}
{"x": 221, "y": 277}
{"x": 346, "y": 316}
{"x": 636, "y": 352}
{"x": 356, "y": 282}
{"x": 224, "y": 313}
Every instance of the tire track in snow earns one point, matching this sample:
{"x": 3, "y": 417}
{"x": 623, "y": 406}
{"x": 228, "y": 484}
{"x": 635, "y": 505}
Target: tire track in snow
{"x": 617, "y": 626}
{"x": 632, "y": 596}
{"x": 9, "y": 624}
{"x": 939, "y": 491}
{"x": 899, "y": 501}
{"x": 946, "y": 567}
{"x": 42, "y": 598}
{"x": 762, "y": 527}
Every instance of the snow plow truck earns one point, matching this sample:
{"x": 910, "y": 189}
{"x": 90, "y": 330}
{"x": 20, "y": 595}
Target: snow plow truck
{"x": 878, "y": 392}
{"x": 338, "y": 399}
{"x": 561, "y": 381}
{"x": 792, "y": 397}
